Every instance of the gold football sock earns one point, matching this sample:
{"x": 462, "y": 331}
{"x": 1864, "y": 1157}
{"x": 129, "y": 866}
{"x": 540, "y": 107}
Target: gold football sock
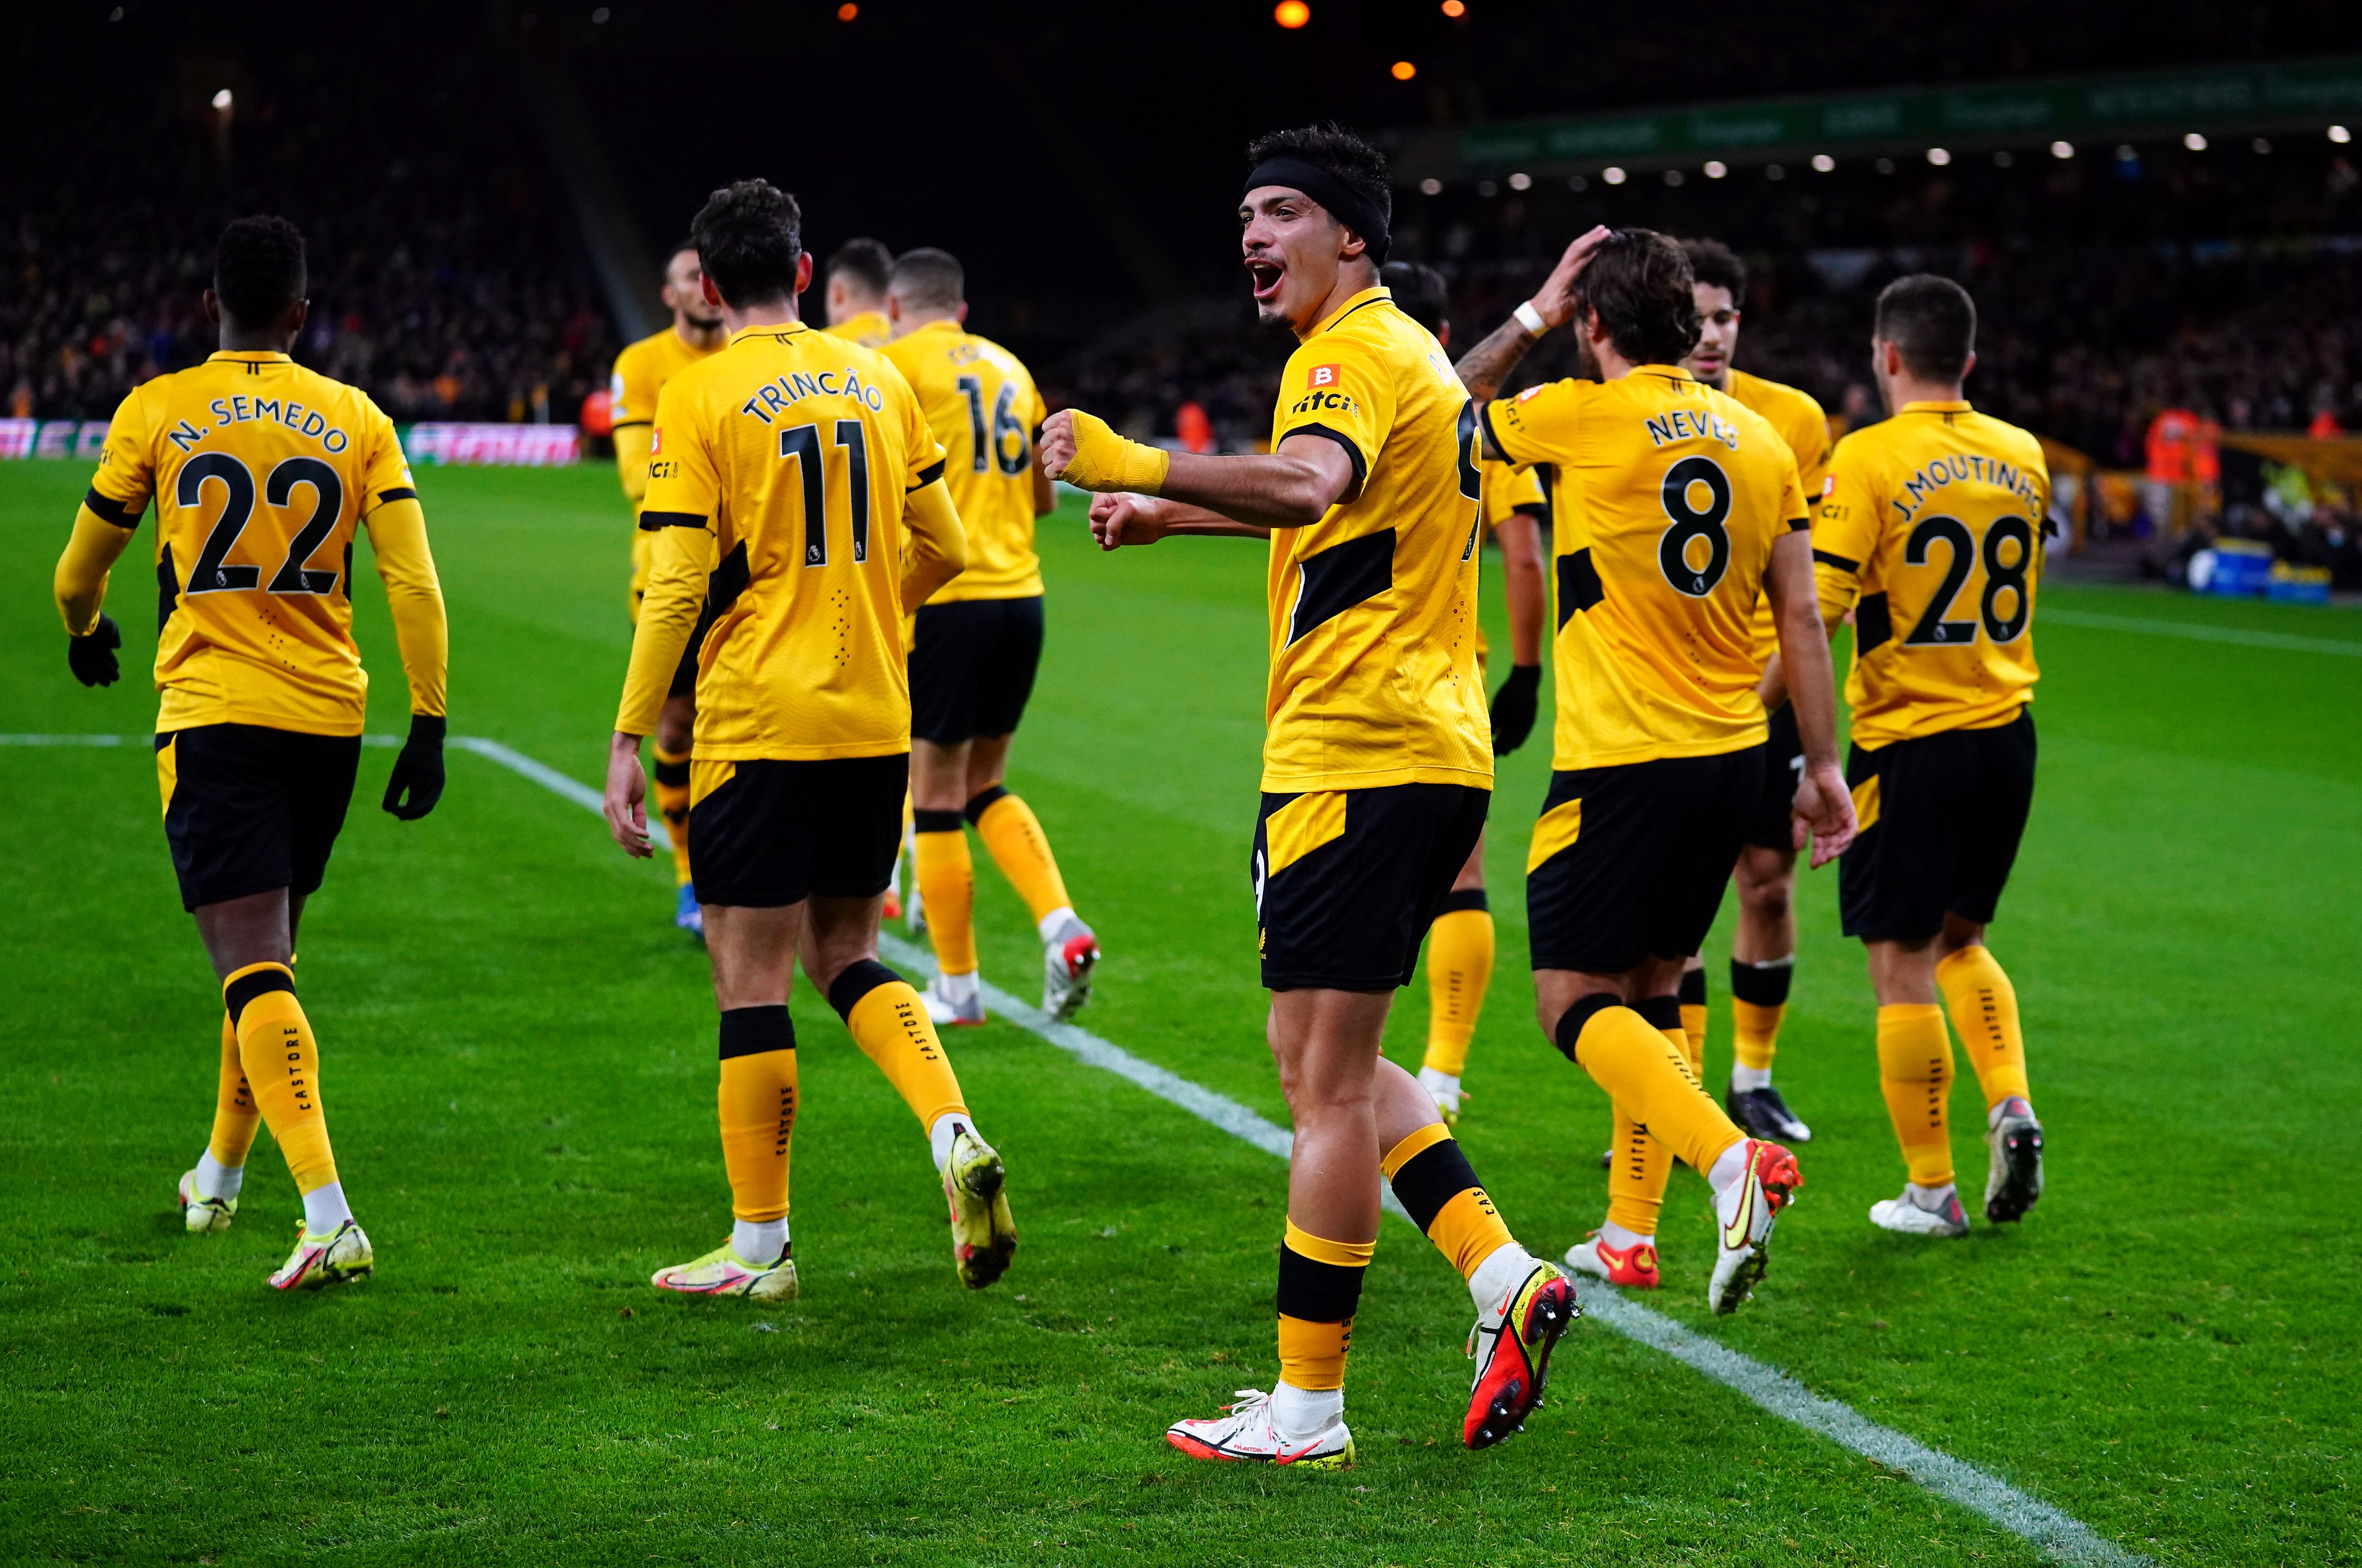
{"x": 1646, "y": 1075}
{"x": 946, "y": 877}
{"x": 1759, "y": 1000}
{"x": 1636, "y": 1181}
{"x": 1319, "y": 1290}
{"x": 1914, "y": 1069}
{"x": 1984, "y": 1005}
{"x": 890, "y": 1025}
{"x": 672, "y": 804}
{"x": 283, "y": 1067}
{"x": 1459, "y": 967}
{"x": 1436, "y": 1186}
{"x": 757, "y": 1107}
{"x": 1014, "y": 837}
{"x": 1692, "y": 1001}
{"x": 235, "y": 1115}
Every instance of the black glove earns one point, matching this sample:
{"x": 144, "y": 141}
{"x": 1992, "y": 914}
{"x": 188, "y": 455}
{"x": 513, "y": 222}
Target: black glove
{"x": 1513, "y": 708}
{"x": 418, "y": 769}
{"x": 91, "y": 657}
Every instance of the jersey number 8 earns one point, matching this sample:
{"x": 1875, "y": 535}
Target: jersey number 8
{"x": 1696, "y": 526}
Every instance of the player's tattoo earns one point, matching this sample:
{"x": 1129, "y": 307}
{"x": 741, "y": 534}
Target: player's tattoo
{"x": 1483, "y": 368}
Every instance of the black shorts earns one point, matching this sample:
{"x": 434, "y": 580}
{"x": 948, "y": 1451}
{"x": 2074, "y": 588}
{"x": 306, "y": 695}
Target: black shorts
{"x": 1772, "y": 824}
{"x": 1941, "y": 816}
{"x": 1347, "y": 881}
{"x": 1628, "y": 862}
{"x": 972, "y": 667}
{"x": 768, "y": 833}
{"x": 684, "y": 675}
{"x": 248, "y": 810}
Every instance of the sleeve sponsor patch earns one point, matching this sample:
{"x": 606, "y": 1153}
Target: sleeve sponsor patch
{"x": 1829, "y": 483}
{"x": 656, "y": 441}
{"x": 1531, "y": 391}
{"x": 1324, "y": 375}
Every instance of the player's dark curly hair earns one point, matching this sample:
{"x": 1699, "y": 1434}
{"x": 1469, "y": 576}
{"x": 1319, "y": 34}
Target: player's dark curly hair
{"x": 1718, "y": 266}
{"x": 1639, "y": 282}
{"x": 1345, "y": 158}
{"x": 259, "y": 270}
{"x": 1933, "y": 321}
{"x": 1419, "y": 292}
{"x": 749, "y": 239}
{"x": 864, "y": 263}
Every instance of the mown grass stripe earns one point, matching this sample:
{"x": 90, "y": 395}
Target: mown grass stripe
{"x": 2197, "y": 632}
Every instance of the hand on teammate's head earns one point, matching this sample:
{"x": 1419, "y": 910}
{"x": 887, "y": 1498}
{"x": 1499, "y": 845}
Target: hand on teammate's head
{"x": 1555, "y": 299}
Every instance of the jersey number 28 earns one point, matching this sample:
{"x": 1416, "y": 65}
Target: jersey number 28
{"x": 2004, "y": 576}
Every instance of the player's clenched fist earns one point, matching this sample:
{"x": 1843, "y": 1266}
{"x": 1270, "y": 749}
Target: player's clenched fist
{"x": 1085, "y": 451}
{"x": 1120, "y": 520}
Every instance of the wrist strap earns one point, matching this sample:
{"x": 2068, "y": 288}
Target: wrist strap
{"x": 1530, "y": 319}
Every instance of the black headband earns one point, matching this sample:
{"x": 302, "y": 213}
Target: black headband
{"x": 1350, "y": 207}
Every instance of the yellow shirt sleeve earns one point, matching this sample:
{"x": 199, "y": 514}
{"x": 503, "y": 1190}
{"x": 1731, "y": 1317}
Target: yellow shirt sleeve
{"x": 1845, "y": 533}
{"x": 126, "y": 470}
{"x": 1339, "y": 388}
{"x": 1537, "y": 424}
{"x": 397, "y": 531}
{"x": 631, "y": 461}
{"x": 683, "y": 497}
{"x": 938, "y": 543}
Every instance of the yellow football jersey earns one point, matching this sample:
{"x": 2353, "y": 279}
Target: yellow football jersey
{"x": 984, "y": 410}
{"x": 1503, "y": 491}
{"x": 1797, "y": 416}
{"x": 1373, "y": 677}
{"x": 870, "y": 329}
{"x": 261, "y": 470}
{"x": 641, "y": 371}
{"x": 1931, "y": 532}
{"x": 786, "y": 457}
{"x": 1666, "y": 500}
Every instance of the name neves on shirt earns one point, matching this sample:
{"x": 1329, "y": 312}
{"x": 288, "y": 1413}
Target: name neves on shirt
{"x": 1692, "y": 425}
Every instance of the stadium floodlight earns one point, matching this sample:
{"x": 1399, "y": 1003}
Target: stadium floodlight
{"x": 2005, "y": 159}
{"x": 1431, "y": 186}
{"x": 2340, "y": 134}
{"x": 2261, "y": 144}
{"x": 1291, "y": 14}
{"x": 2062, "y": 149}
{"x": 1773, "y": 172}
{"x": 1454, "y": 9}
{"x": 2195, "y": 141}
{"x": 1403, "y": 69}
{"x": 1675, "y": 177}
{"x": 1521, "y": 181}
{"x": 222, "y": 100}
{"x": 1612, "y": 174}
{"x": 1938, "y": 156}
{"x": 599, "y": 18}
{"x": 1716, "y": 169}
{"x": 1487, "y": 188}
{"x": 1884, "y": 166}
{"x": 1822, "y": 162}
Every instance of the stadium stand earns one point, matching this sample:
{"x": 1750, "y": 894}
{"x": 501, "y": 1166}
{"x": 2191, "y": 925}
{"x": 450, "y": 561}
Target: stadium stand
{"x": 447, "y": 278}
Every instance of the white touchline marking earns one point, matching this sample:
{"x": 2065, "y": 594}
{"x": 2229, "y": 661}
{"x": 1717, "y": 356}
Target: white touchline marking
{"x": 2062, "y": 1537}
{"x": 2283, "y": 641}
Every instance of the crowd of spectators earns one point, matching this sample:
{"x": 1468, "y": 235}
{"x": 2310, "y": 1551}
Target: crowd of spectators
{"x": 446, "y": 280}
{"x": 2107, "y": 293}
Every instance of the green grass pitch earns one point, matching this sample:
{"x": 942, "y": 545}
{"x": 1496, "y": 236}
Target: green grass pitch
{"x": 518, "y": 1067}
